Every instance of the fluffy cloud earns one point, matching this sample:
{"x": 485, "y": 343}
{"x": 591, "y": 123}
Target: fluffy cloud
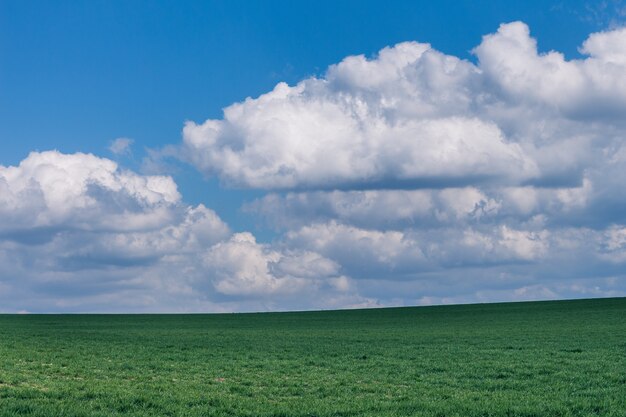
{"x": 483, "y": 264}
{"x": 244, "y": 267}
{"x": 411, "y": 177}
{"x": 413, "y": 117}
{"x": 398, "y": 121}
{"x": 590, "y": 87}
{"x": 413, "y": 164}
{"x": 77, "y": 233}
{"x": 50, "y": 190}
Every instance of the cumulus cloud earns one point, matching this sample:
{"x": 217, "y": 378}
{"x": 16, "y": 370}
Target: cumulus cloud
{"x": 412, "y": 117}
{"x": 78, "y": 233}
{"x": 409, "y": 177}
{"x": 413, "y": 164}
{"x": 400, "y": 120}
{"x": 50, "y": 190}
{"x": 590, "y": 87}
{"x": 451, "y": 265}
{"x": 245, "y": 267}
{"x": 194, "y": 229}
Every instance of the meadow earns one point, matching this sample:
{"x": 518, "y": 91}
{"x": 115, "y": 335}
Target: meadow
{"x": 565, "y": 358}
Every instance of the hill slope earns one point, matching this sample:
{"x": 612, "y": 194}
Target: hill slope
{"x": 565, "y": 358}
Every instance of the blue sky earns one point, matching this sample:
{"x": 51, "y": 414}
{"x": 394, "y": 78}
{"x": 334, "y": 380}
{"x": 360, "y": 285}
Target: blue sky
{"x": 75, "y": 76}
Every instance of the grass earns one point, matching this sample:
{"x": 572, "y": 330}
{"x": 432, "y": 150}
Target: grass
{"x": 565, "y": 358}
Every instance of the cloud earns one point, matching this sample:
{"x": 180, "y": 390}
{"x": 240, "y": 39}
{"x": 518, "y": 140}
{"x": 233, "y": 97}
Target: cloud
{"x": 609, "y": 13}
{"x": 364, "y": 253}
{"x": 78, "y": 233}
{"x": 412, "y": 117}
{"x": 423, "y": 209}
{"x": 51, "y": 190}
{"x": 575, "y": 88}
{"x": 194, "y": 229}
{"x": 121, "y": 146}
{"x": 244, "y": 267}
{"x": 401, "y": 120}
{"x": 551, "y": 229}
{"x": 483, "y": 264}
{"x": 412, "y": 177}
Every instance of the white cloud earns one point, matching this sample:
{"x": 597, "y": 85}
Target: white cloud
{"x": 196, "y": 229}
{"x": 80, "y": 234}
{"x": 410, "y": 177}
{"x": 244, "y": 267}
{"x": 400, "y": 120}
{"x": 380, "y": 208}
{"x": 121, "y": 146}
{"x": 526, "y": 245}
{"x": 51, "y": 190}
{"x": 593, "y": 86}
{"x": 366, "y": 253}
{"x": 415, "y": 164}
{"x": 358, "y": 250}
{"x": 413, "y": 117}
{"x": 191, "y": 262}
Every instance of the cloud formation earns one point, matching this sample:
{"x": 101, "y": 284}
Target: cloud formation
{"x": 77, "y": 233}
{"x": 412, "y": 117}
{"x": 49, "y": 190}
{"x": 244, "y": 267}
{"x": 413, "y": 164}
{"x": 590, "y": 87}
{"x": 411, "y": 177}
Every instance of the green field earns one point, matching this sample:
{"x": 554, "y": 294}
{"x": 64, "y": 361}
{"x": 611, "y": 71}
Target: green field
{"x": 564, "y": 358}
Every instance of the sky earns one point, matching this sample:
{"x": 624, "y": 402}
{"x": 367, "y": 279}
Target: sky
{"x": 204, "y": 156}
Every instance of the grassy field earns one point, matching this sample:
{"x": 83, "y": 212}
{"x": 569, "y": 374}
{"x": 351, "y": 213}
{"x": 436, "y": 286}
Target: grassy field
{"x": 563, "y": 358}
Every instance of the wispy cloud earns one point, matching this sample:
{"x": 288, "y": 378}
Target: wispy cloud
{"x": 121, "y": 146}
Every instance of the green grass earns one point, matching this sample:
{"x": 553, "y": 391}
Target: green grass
{"x": 563, "y": 358}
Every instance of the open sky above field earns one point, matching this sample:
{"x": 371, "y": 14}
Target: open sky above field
{"x": 272, "y": 155}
